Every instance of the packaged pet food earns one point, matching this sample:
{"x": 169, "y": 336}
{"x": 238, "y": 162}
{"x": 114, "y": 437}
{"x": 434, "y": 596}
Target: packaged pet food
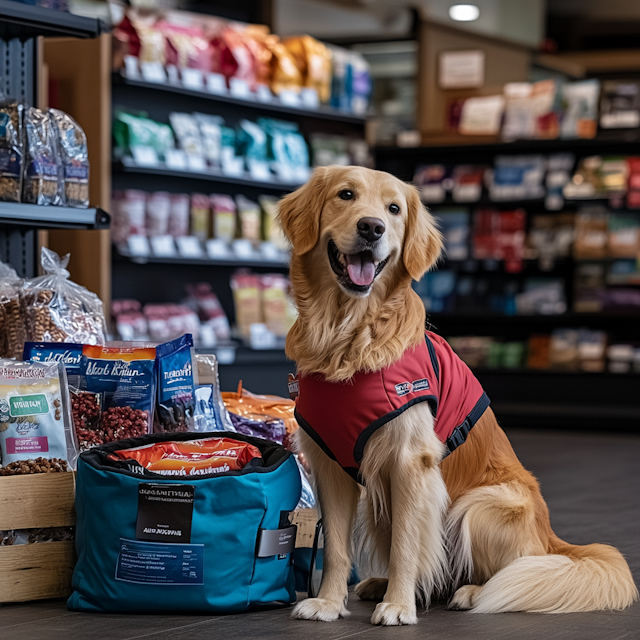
{"x": 113, "y": 397}
{"x": 187, "y": 133}
{"x": 12, "y": 322}
{"x": 145, "y": 140}
{"x": 211, "y": 136}
{"x": 35, "y": 417}
{"x": 11, "y": 151}
{"x": 246, "y": 296}
{"x": 274, "y": 288}
{"x": 224, "y": 216}
{"x": 271, "y": 229}
{"x": 260, "y": 43}
{"x": 249, "y": 214}
{"x": 232, "y": 58}
{"x": 200, "y": 216}
{"x": 251, "y": 143}
{"x": 193, "y": 457}
{"x": 580, "y": 102}
{"x": 158, "y": 210}
{"x": 177, "y": 380}
{"x": 74, "y": 158}
{"x": 179, "y": 215}
{"x": 313, "y": 60}
{"x": 41, "y": 180}
{"x": 132, "y": 218}
{"x": 205, "y": 303}
{"x": 285, "y": 72}
{"x": 68, "y": 353}
{"x": 211, "y": 414}
{"x": 58, "y": 310}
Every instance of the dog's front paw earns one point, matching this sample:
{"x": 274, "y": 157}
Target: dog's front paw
{"x": 319, "y": 609}
{"x": 391, "y": 614}
{"x": 372, "y": 589}
{"x": 463, "y": 597}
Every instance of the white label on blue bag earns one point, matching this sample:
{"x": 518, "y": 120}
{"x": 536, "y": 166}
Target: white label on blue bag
{"x": 160, "y": 563}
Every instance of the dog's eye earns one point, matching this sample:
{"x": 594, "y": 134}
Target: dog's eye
{"x": 394, "y": 208}
{"x": 346, "y": 194}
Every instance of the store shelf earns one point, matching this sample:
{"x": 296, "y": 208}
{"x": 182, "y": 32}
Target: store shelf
{"x": 13, "y": 214}
{"x": 121, "y": 254}
{"x": 127, "y": 165}
{"x": 479, "y": 371}
{"x": 319, "y": 113}
{"x": 537, "y": 204}
{"x": 25, "y": 21}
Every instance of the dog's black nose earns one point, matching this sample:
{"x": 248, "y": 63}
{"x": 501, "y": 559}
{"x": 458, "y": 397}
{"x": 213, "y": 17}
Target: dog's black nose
{"x": 371, "y": 229}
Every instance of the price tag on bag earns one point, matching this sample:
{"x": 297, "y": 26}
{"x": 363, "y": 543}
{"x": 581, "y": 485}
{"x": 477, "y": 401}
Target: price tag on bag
{"x": 240, "y": 89}
{"x": 216, "y": 83}
{"x": 218, "y": 249}
{"x": 176, "y": 159}
{"x": 192, "y": 79}
{"x": 153, "y": 72}
{"x": 138, "y": 246}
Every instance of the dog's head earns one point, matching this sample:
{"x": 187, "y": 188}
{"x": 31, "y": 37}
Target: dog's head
{"x": 360, "y": 225}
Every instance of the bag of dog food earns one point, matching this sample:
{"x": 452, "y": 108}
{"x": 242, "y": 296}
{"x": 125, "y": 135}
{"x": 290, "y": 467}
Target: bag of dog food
{"x": 113, "y": 397}
{"x": 35, "y": 418}
{"x": 177, "y": 381}
{"x": 11, "y": 151}
{"x": 68, "y": 353}
{"x": 74, "y": 158}
{"x": 192, "y": 458}
{"x": 41, "y": 180}
{"x": 12, "y": 324}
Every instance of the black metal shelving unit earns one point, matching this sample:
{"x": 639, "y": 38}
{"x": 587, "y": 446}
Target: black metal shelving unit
{"x": 20, "y": 27}
{"x": 529, "y": 397}
{"x": 163, "y": 279}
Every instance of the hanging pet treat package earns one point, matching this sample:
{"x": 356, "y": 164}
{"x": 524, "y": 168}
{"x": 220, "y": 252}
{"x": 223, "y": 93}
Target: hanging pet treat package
{"x": 74, "y": 157}
{"x": 113, "y": 396}
{"x": 181, "y": 522}
{"x": 177, "y": 381}
{"x": 41, "y": 180}
{"x": 58, "y": 310}
{"x": 210, "y": 413}
{"x": 35, "y": 418}
{"x": 12, "y": 324}
{"x": 11, "y": 151}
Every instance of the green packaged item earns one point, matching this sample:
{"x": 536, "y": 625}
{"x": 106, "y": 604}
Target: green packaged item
{"x": 141, "y": 137}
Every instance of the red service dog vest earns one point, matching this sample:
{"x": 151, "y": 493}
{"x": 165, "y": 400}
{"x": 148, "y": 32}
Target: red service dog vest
{"x": 342, "y": 416}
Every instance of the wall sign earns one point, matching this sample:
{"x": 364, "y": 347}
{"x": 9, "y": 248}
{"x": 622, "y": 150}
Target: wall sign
{"x": 461, "y": 69}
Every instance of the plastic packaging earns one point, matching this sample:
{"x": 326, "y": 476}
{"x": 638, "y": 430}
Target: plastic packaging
{"x": 69, "y": 354}
{"x": 35, "y": 417}
{"x": 246, "y": 296}
{"x": 58, "y": 310}
{"x": 114, "y": 395}
{"x": 11, "y": 151}
{"x": 74, "y": 158}
{"x": 192, "y": 458}
{"x": 187, "y": 133}
{"x": 177, "y": 380}
{"x": 211, "y": 136}
{"x": 249, "y": 214}
{"x": 42, "y": 183}
{"x": 12, "y": 323}
{"x": 179, "y": 215}
{"x": 157, "y": 213}
{"x": 200, "y": 216}
{"x": 224, "y": 216}
{"x": 207, "y": 365}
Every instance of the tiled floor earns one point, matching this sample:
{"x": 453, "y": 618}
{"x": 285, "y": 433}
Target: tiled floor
{"x": 592, "y": 485}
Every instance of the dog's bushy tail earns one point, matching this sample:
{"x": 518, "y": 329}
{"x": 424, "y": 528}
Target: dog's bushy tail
{"x": 573, "y": 578}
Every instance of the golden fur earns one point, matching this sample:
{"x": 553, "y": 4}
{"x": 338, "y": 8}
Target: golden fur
{"x": 474, "y": 522}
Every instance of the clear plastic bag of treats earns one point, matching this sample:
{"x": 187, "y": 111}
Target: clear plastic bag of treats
{"x": 12, "y": 325}
{"x": 59, "y": 310}
{"x": 42, "y": 183}
{"x": 74, "y": 159}
{"x": 11, "y": 151}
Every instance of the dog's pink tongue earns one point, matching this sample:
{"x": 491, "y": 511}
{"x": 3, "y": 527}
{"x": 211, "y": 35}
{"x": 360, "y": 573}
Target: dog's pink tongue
{"x": 361, "y": 269}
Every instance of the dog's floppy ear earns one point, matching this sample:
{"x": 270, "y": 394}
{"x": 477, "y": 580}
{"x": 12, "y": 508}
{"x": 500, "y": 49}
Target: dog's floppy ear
{"x": 423, "y": 240}
{"x": 299, "y": 212}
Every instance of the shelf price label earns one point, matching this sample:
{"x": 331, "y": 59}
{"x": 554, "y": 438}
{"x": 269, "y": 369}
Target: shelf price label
{"x": 138, "y": 246}
{"x": 217, "y": 249}
{"x": 289, "y": 98}
{"x": 153, "y": 72}
{"x": 189, "y": 247}
{"x": 243, "y": 249}
{"x": 196, "y": 163}
{"x": 240, "y": 89}
{"x": 163, "y": 246}
{"x": 216, "y": 83}
{"x": 192, "y": 79}
{"x": 310, "y": 98}
{"x": 176, "y": 159}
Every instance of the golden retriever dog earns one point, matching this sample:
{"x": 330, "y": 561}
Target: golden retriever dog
{"x": 472, "y": 524}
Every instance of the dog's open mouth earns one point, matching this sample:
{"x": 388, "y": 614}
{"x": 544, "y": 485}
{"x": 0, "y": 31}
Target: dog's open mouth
{"x": 355, "y": 271}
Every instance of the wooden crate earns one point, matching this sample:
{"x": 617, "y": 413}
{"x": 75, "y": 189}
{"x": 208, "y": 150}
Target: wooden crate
{"x": 40, "y": 570}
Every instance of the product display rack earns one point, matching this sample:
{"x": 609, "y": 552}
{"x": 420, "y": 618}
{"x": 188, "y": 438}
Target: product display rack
{"x": 521, "y": 396}
{"x": 20, "y": 27}
{"x": 156, "y": 279}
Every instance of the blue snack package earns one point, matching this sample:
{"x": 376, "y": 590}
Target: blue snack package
{"x": 177, "y": 382}
{"x": 115, "y": 394}
{"x": 69, "y": 353}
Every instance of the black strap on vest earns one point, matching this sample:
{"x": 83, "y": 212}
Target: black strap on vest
{"x": 432, "y": 354}
{"x": 460, "y": 433}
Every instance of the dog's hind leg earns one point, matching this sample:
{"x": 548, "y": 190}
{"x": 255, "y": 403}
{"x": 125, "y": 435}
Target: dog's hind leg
{"x": 338, "y": 496}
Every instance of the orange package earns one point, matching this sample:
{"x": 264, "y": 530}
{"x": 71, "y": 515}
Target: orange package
{"x": 257, "y": 407}
{"x": 192, "y": 457}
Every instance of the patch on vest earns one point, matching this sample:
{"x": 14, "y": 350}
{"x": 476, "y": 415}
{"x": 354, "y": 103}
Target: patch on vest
{"x": 403, "y": 388}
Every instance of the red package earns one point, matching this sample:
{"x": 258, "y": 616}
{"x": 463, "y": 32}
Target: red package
{"x": 232, "y": 58}
{"x": 192, "y": 457}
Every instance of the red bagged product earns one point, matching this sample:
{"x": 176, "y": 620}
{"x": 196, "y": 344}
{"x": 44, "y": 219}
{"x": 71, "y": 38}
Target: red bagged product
{"x": 192, "y": 457}
{"x": 232, "y": 58}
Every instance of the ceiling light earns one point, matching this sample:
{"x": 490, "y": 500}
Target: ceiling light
{"x": 464, "y": 12}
